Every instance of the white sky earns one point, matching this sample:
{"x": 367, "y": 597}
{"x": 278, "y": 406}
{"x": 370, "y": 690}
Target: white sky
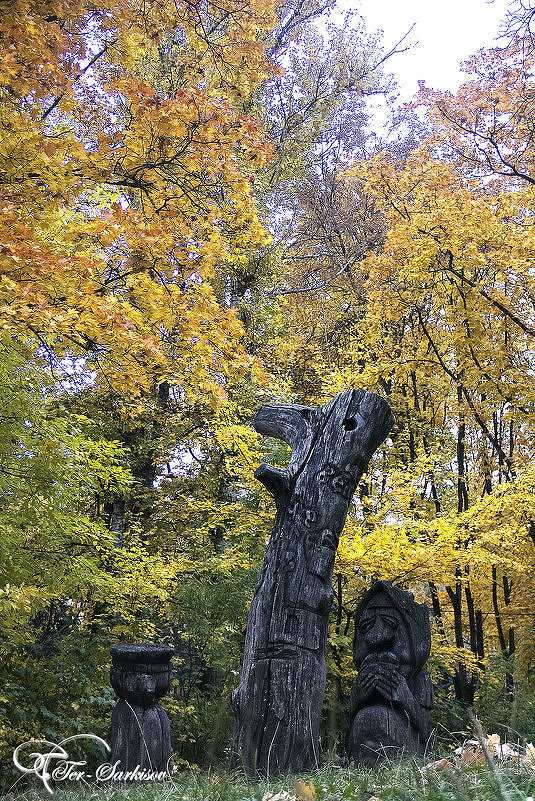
{"x": 447, "y": 32}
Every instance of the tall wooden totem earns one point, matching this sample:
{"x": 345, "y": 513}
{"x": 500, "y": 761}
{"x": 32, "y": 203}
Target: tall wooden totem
{"x": 277, "y": 704}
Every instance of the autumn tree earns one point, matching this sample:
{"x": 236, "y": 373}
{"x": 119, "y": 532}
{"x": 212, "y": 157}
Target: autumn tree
{"x": 123, "y": 187}
{"x": 486, "y": 126}
{"x": 415, "y": 279}
{"x": 119, "y": 196}
{"x": 130, "y": 210}
{"x": 447, "y": 332}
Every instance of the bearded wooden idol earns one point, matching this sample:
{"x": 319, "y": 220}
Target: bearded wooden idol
{"x": 392, "y": 695}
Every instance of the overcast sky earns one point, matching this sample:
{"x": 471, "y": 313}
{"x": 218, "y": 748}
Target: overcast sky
{"x": 447, "y": 33}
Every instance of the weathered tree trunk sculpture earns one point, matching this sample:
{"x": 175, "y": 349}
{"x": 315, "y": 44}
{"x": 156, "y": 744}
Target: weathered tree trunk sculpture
{"x": 278, "y": 702}
{"x": 140, "y": 731}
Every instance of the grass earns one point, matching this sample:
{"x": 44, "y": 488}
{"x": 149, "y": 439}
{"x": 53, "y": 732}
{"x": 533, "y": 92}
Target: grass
{"x": 404, "y": 780}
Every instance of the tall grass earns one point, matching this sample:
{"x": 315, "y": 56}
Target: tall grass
{"x": 403, "y": 780}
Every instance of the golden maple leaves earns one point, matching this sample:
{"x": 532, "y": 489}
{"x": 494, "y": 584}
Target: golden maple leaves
{"x": 125, "y": 185}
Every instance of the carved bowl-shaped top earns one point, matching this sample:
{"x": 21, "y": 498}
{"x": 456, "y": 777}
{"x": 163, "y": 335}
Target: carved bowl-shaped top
{"x": 146, "y": 652}
{"x": 141, "y": 672}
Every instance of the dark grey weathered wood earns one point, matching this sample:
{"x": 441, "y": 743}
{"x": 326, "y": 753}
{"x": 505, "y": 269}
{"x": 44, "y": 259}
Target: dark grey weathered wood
{"x": 392, "y": 695}
{"x": 140, "y": 732}
{"x": 278, "y": 702}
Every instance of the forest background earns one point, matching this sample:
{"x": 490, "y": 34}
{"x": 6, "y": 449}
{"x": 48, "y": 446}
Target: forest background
{"x": 196, "y": 220}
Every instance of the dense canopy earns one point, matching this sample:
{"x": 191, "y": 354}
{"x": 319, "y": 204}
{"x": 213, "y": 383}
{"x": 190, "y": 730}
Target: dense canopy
{"x": 196, "y": 220}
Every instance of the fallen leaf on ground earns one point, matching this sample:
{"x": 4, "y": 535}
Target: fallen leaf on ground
{"x": 305, "y": 792}
{"x": 440, "y": 764}
{"x": 470, "y": 756}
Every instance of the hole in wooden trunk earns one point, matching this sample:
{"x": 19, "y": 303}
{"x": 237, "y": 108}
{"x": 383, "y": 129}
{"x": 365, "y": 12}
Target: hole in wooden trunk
{"x": 349, "y": 424}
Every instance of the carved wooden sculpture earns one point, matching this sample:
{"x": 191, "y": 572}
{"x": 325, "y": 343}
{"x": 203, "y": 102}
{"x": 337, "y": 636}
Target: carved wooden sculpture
{"x": 140, "y": 731}
{"x": 392, "y": 695}
{"x": 278, "y": 702}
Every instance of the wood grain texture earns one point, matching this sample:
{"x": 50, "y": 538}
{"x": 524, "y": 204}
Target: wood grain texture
{"x": 278, "y": 702}
{"x": 140, "y": 733}
{"x": 392, "y": 695}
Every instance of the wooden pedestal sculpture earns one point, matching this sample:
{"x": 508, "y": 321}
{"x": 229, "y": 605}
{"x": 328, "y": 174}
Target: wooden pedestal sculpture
{"x": 278, "y": 702}
{"x": 392, "y": 695}
{"x": 140, "y": 732}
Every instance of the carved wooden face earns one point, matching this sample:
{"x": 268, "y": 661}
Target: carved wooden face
{"x": 140, "y": 684}
{"x": 380, "y": 628}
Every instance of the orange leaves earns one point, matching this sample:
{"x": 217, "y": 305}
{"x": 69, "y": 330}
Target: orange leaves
{"x": 124, "y": 186}
{"x": 486, "y": 128}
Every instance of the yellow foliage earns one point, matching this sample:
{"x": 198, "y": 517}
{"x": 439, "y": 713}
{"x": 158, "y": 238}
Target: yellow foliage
{"x": 121, "y": 193}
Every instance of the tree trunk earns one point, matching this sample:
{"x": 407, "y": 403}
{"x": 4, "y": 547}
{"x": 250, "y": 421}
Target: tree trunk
{"x": 278, "y": 702}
